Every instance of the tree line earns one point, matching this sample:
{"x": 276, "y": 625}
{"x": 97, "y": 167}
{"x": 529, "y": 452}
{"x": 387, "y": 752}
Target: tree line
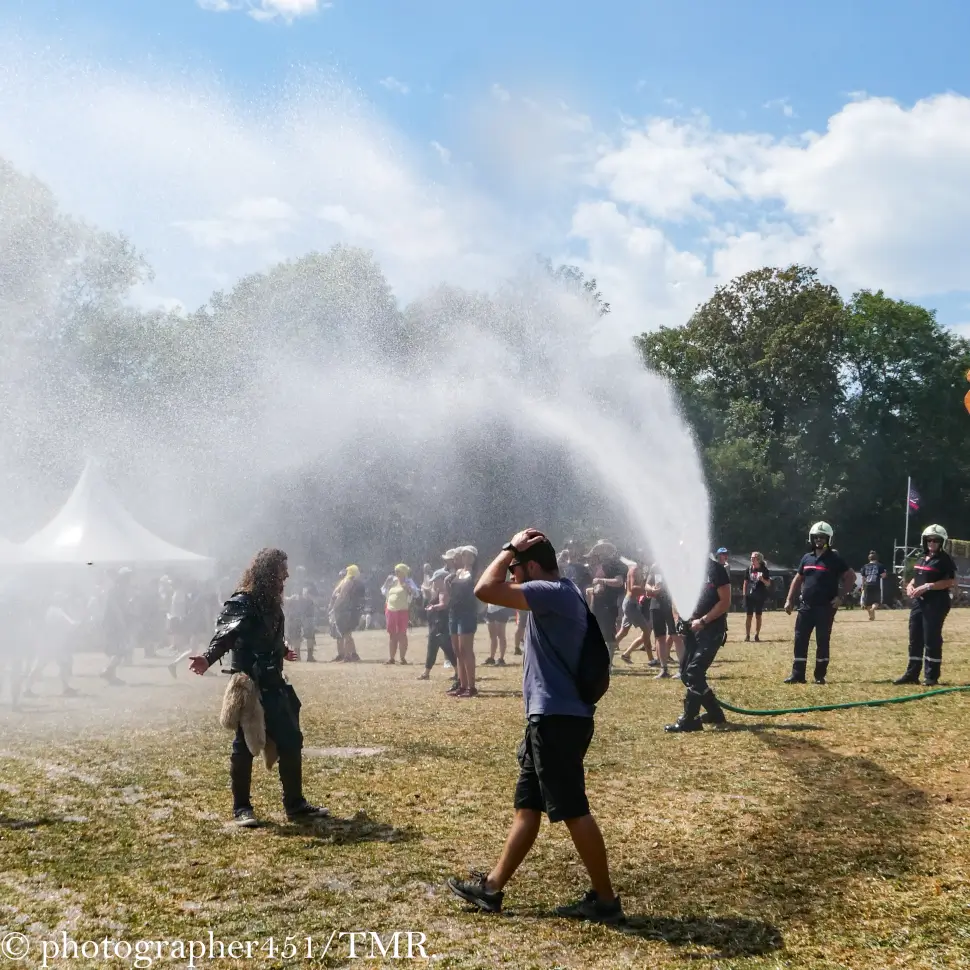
{"x": 807, "y": 406}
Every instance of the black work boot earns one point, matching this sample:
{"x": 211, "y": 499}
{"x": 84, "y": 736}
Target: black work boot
{"x": 241, "y": 778}
{"x": 795, "y": 678}
{"x": 713, "y": 712}
{"x": 910, "y": 677}
{"x": 297, "y": 808}
{"x": 688, "y": 721}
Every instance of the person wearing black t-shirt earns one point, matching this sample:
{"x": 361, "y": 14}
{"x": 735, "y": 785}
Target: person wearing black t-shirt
{"x": 873, "y": 575}
{"x": 823, "y": 577}
{"x": 929, "y": 589}
{"x": 757, "y": 582}
{"x": 606, "y": 591}
{"x": 704, "y": 634}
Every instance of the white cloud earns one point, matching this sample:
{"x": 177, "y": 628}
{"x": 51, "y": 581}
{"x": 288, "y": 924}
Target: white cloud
{"x": 880, "y": 199}
{"x": 443, "y": 153}
{"x": 393, "y": 84}
{"x": 783, "y": 105}
{"x": 500, "y": 93}
{"x": 288, "y": 10}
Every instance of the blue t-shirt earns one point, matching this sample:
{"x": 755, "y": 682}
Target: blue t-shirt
{"x": 554, "y": 635}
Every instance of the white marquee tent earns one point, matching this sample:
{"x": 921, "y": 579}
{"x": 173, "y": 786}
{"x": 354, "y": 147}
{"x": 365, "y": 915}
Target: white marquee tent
{"x": 94, "y": 528}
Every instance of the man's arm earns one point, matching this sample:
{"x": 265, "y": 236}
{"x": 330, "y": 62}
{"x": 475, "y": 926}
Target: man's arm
{"x": 848, "y": 581}
{"x": 796, "y": 585}
{"x": 492, "y": 586}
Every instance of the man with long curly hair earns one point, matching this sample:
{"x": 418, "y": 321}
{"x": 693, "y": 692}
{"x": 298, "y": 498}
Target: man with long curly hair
{"x": 251, "y": 626}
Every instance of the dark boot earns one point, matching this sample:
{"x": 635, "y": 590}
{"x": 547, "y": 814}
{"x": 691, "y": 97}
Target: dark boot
{"x": 297, "y": 808}
{"x": 910, "y": 677}
{"x": 241, "y": 778}
{"x": 688, "y": 721}
{"x": 714, "y": 712}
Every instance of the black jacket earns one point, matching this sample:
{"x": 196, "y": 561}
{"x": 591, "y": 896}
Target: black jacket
{"x": 255, "y": 638}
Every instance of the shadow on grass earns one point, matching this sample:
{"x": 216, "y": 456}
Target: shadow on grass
{"x": 728, "y": 936}
{"x": 850, "y": 818}
{"x": 24, "y": 823}
{"x": 347, "y": 831}
{"x": 772, "y": 725}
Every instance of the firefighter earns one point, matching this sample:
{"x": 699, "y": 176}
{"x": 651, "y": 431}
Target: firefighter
{"x": 704, "y": 634}
{"x": 929, "y": 589}
{"x": 823, "y": 577}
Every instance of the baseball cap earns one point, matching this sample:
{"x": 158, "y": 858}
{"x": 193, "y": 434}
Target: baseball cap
{"x": 721, "y": 552}
{"x": 439, "y": 574}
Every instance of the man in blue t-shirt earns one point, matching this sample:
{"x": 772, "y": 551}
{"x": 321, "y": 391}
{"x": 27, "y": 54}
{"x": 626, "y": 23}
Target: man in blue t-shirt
{"x": 558, "y": 731}
{"x": 823, "y": 578}
{"x": 873, "y": 574}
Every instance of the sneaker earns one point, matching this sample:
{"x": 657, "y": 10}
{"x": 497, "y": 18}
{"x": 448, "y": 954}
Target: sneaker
{"x": 500, "y": 663}
{"x": 488, "y": 662}
{"x": 626, "y": 659}
{"x": 590, "y": 908}
{"x": 652, "y": 663}
{"x": 454, "y": 690}
{"x": 425, "y": 676}
{"x": 245, "y": 818}
{"x": 663, "y": 673}
{"x": 447, "y": 666}
{"x": 307, "y": 812}
{"x": 473, "y": 891}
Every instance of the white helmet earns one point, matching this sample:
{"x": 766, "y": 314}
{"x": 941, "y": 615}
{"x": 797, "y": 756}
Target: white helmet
{"x": 821, "y": 529}
{"x": 935, "y": 531}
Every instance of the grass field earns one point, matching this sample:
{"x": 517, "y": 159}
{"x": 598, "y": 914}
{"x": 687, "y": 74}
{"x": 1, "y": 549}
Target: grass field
{"x": 829, "y": 840}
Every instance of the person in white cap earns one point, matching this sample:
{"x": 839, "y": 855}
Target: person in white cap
{"x": 463, "y": 620}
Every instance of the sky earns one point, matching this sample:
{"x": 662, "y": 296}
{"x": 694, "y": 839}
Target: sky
{"x": 663, "y": 147}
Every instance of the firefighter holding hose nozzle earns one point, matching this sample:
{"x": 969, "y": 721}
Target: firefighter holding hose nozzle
{"x": 704, "y": 634}
{"x": 929, "y": 589}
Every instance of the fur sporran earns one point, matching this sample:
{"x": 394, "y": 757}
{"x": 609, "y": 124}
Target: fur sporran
{"x": 241, "y": 708}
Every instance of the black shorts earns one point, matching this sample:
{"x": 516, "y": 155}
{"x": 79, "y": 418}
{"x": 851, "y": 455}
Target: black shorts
{"x": 754, "y": 606}
{"x": 662, "y": 622}
{"x": 551, "y": 774}
{"x": 872, "y": 594}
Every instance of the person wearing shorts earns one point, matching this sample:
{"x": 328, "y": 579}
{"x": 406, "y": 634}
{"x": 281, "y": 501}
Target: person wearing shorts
{"x": 873, "y": 576}
{"x": 463, "y": 619}
{"x": 496, "y": 617}
{"x": 632, "y": 615}
{"x": 757, "y": 582}
{"x": 398, "y": 591}
{"x": 558, "y": 731}
{"x": 661, "y": 618}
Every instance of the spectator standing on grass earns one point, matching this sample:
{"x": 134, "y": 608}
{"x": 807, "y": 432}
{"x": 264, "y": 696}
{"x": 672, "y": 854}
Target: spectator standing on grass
{"x": 823, "y": 578}
{"x": 398, "y": 591}
{"x": 463, "y": 619}
{"x": 933, "y": 577}
{"x": 757, "y": 582}
{"x": 661, "y": 618}
{"x": 873, "y": 576}
{"x": 496, "y": 619}
{"x": 606, "y": 592}
{"x": 436, "y": 610}
{"x": 347, "y": 607}
{"x": 558, "y": 731}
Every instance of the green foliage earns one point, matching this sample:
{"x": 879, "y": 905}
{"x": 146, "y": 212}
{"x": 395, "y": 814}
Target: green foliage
{"x": 806, "y": 407}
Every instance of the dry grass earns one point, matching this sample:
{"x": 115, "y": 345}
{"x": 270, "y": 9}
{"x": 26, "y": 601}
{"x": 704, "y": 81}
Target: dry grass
{"x": 836, "y": 840}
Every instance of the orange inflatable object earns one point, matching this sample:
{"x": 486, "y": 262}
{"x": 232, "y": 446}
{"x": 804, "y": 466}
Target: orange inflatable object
{"x": 966, "y": 399}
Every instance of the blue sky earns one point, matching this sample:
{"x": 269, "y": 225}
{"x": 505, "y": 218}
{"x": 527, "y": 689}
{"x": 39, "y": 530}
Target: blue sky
{"x": 645, "y": 90}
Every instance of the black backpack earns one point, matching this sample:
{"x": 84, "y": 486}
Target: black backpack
{"x": 592, "y": 674}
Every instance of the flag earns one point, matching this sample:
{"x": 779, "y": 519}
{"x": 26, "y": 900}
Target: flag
{"x": 913, "y": 498}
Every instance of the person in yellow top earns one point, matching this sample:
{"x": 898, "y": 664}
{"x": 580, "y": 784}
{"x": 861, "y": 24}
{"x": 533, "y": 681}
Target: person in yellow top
{"x": 398, "y": 591}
